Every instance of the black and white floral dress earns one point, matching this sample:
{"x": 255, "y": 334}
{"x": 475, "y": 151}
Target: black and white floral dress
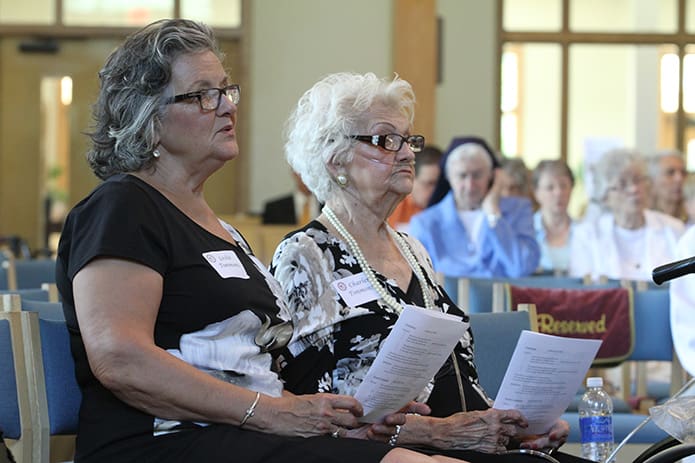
{"x": 334, "y": 343}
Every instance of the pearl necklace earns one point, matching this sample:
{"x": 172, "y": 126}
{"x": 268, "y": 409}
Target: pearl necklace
{"x": 369, "y": 273}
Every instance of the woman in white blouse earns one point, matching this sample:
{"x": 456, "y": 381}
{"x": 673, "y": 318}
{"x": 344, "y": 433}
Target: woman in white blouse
{"x": 628, "y": 240}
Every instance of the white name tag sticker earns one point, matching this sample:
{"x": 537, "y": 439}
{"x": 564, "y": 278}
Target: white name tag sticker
{"x": 226, "y": 264}
{"x": 355, "y": 289}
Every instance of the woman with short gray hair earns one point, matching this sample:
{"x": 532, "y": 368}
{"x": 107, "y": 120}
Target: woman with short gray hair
{"x": 628, "y": 240}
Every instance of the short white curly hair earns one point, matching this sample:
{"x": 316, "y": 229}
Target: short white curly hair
{"x": 326, "y": 115}
{"x": 611, "y": 166}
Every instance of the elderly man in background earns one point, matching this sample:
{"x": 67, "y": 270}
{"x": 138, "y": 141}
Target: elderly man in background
{"x": 473, "y": 231}
{"x": 667, "y": 173}
{"x": 427, "y": 172}
{"x": 295, "y": 208}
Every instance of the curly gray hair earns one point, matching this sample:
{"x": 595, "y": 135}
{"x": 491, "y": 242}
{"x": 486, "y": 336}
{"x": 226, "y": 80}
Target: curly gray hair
{"x": 328, "y": 113}
{"x": 610, "y": 167}
{"x": 128, "y": 111}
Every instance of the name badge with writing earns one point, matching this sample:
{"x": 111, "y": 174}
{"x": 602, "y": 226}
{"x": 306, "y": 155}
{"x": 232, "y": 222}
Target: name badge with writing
{"x": 226, "y": 264}
{"x": 355, "y": 289}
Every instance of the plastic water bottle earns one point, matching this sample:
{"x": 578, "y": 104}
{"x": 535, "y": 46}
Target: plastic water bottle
{"x": 596, "y": 421}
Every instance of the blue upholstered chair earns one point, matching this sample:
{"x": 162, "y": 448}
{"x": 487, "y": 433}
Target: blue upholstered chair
{"x": 32, "y": 273}
{"x": 473, "y": 295}
{"x": 653, "y": 342}
{"x": 480, "y": 295}
{"x": 28, "y": 294}
{"x": 48, "y": 374}
{"x": 15, "y": 411}
{"x": 495, "y": 336}
{"x": 46, "y": 310}
{"x": 57, "y": 394}
{"x": 63, "y": 396}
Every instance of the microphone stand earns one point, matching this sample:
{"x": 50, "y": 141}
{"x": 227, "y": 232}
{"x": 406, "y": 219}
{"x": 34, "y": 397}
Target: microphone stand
{"x": 647, "y": 420}
{"x": 673, "y": 270}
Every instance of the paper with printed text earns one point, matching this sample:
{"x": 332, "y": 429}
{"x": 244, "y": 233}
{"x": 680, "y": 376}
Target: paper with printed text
{"x": 543, "y": 377}
{"x": 411, "y": 355}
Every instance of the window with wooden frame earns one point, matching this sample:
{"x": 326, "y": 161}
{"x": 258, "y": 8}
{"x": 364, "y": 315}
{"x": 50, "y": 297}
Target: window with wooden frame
{"x": 223, "y": 14}
{"x": 592, "y": 75}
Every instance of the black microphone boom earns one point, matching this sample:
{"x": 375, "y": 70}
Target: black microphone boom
{"x": 673, "y": 270}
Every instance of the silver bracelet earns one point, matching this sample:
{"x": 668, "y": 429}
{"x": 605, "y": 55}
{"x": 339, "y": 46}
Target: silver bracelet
{"x": 394, "y": 438}
{"x": 250, "y": 411}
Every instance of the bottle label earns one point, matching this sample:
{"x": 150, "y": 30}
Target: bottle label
{"x": 596, "y": 429}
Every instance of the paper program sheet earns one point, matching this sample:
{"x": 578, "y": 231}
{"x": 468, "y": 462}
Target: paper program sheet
{"x": 413, "y": 352}
{"x": 543, "y": 376}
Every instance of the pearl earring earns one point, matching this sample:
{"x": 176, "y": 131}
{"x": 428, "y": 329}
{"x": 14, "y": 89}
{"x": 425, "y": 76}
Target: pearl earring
{"x": 156, "y": 154}
{"x": 342, "y": 180}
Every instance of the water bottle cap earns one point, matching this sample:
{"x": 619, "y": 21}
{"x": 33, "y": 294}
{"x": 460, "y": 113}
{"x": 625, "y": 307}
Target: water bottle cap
{"x": 594, "y": 381}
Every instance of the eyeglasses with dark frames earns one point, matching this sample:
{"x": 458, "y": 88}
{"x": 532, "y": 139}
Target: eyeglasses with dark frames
{"x": 393, "y": 141}
{"x": 210, "y": 98}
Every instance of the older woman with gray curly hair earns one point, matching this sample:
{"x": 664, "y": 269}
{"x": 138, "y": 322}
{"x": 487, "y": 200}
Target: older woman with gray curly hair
{"x": 628, "y": 240}
{"x": 350, "y": 138}
{"x": 172, "y": 318}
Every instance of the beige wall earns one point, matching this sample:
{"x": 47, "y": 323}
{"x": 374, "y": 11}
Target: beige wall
{"x": 294, "y": 43}
{"x": 466, "y": 96}
{"x": 291, "y": 44}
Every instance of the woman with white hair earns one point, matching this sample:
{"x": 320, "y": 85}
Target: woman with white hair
{"x": 350, "y": 140}
{"x": 474, "y": 231}
{"x": 628, "y": 240}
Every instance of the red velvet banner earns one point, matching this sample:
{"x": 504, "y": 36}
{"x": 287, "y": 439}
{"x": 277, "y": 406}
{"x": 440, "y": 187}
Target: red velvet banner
{"x": 605, "y": 314}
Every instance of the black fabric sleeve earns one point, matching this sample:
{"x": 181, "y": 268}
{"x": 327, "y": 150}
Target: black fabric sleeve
{"x": 121, "y": 220}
